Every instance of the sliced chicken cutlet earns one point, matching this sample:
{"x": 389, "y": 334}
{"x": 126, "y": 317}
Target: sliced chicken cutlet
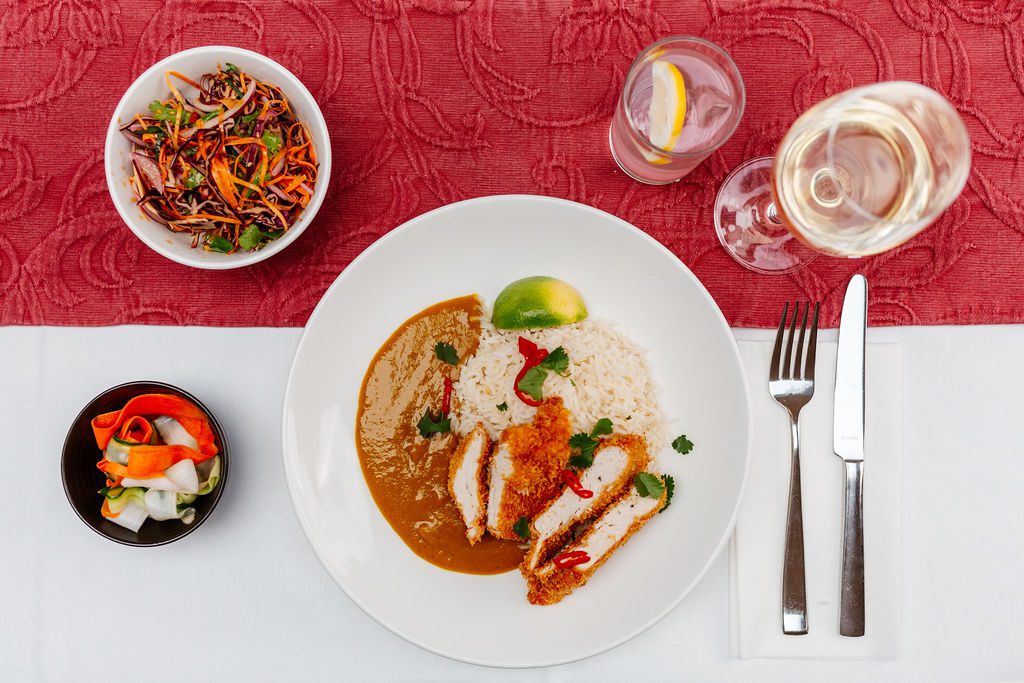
{"x": 467, "y": 481}
{"x": 622, "y": 519}
{"x": 524, "y": 470}
{"x": 616, "y": 462}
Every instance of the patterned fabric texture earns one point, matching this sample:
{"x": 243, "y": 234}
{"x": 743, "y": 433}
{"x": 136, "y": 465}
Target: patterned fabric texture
{"x": 434, "y": 101}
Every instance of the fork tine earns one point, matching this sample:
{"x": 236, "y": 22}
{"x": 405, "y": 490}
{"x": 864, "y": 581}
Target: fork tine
{"x": 812, "y": 344}
{"x": 787, "y": 364}
{"x": 798, "y": 360}
{"x": 773, "y": 370}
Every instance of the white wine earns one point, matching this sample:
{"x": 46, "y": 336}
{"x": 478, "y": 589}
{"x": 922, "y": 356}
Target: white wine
{"x": 863, "y": 175}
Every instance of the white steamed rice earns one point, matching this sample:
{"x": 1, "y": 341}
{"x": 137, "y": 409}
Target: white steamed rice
{"x": 609, "y": 377}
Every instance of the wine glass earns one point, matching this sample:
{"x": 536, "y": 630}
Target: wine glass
{"x": 857, "y": 174}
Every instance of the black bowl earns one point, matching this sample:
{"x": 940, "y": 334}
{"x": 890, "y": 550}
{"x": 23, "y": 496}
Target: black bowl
{"x": 82, "y": 480}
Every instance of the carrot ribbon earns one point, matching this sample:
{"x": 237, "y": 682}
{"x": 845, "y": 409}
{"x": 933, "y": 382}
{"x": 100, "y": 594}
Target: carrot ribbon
{"x": 144, "y": 460}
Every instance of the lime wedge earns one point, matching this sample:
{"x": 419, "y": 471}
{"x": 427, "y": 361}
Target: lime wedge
{"x": 535, "y": 302}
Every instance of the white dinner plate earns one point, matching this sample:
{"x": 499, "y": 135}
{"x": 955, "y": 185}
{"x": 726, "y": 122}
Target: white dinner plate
{"x": 479, "y": 246}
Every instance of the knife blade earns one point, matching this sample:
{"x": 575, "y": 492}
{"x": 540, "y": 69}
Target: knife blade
{"x": 848, "y": 443}
{"x": 848, "y": 420}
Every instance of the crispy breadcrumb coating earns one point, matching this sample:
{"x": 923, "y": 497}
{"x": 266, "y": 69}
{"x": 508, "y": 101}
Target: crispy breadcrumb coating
{"x": 551, "y": 584}
{"x": 545, "y": 543}
{"x": 537, "y": 453}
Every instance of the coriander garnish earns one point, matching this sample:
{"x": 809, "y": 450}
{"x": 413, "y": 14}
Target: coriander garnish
{"x": 446, "y": 353}
{"x": 532, "y": 383}
{"x": 557, "y": 362}
{"x": 649, "y": 485}
{"x": 682, "y": 444}
{"x": 522, "y": 528}
{"x": 670, "y": 489}
{"x": 586, "y": 443}
{"x": 429, "y": 426}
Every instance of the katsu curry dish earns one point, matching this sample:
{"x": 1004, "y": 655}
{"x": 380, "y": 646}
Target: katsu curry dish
{"x": 523, "y": 435}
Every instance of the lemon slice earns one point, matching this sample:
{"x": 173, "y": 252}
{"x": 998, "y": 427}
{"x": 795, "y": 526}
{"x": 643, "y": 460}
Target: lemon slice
{"x": 668, "y": 105}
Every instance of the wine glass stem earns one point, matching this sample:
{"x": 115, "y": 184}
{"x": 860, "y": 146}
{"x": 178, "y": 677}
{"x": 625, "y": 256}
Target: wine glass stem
{"x": 772, "y": 214}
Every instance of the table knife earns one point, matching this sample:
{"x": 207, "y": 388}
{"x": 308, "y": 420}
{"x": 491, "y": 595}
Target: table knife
{"x": 848, "y": 444}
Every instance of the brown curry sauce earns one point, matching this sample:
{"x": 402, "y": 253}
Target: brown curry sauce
{"x": 406, "y": 473}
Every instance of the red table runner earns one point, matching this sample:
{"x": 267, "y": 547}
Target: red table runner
{"x": 433, "y": 101}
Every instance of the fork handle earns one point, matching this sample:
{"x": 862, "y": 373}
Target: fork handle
{"x": 851, "y": 598}
{"x": 794, "y": 588}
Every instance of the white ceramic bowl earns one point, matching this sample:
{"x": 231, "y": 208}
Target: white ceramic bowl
{"x": 151, "y": 86}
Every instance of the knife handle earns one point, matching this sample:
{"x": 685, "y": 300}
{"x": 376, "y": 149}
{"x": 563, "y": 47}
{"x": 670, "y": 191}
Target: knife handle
{"x": 851, "y": 610}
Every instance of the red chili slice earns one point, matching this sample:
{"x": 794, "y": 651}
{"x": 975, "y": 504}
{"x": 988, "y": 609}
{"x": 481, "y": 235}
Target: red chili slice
{"x": 446, "y": 402}
{"x": 527, "y": 347}
{"x": 572, "y": 559}
{"x": 573, "y": 482}
{"x": 533, "y": 355}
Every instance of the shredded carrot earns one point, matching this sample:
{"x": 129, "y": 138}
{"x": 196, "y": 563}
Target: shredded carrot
{"x": 296, "y": 181}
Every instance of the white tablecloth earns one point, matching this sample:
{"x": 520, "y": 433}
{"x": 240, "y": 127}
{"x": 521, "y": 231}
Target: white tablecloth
{"x": 244, "y": 598}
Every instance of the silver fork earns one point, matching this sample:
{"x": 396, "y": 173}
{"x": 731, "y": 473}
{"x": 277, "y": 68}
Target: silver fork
{"x": 791, "y": 383}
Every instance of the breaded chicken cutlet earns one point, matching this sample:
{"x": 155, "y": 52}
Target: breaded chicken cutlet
{"x": 622, "y": 519}
{"x": 616, "y": 462}
{"x": 467, "y": 481}
{"x": 525, "y": 467}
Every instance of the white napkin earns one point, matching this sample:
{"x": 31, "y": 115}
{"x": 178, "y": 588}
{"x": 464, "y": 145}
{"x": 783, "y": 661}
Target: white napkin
{"x": 757, "y": 547}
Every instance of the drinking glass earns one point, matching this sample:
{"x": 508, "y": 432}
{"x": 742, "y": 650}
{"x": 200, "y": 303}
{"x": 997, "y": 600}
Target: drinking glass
{"x": 714, "y": 104}
{"x": 857, "y": 174}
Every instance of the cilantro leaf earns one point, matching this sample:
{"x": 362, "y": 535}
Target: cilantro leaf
{"x": 246, "y": 119}
{"x": 272, "y": 141}
{"x": 557, "y": 362}
{"x": 230, "y": 68}
{"x": 502, "y": 407}
{"x": 446, "y": 353}
{"x": 670, "y": 488}
{"x": 603, "y": 427}
{"x": 649, "y": 485}
{"x": 163, "y": 112}
{"x": 682, "y": 444}
{"x": 588, "y": 443}
{"x": 194, "y": 179}
{"x": 532, "y": 383}
{"x": 251, "y": 237}
{"x": 428, "y": 426}
{"x": 218, "y": 243}
{"x": 582, "y": 460}
{"x": 581, "y": 440}
{"x": 522, "y": 528}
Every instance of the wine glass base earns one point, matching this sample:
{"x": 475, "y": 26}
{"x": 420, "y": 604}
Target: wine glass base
{"x": 747, "y": 224}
